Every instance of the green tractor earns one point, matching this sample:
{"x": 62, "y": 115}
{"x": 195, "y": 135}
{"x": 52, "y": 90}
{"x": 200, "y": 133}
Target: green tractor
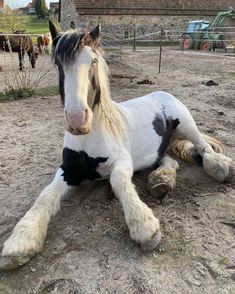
{"x": 202, "y": 35}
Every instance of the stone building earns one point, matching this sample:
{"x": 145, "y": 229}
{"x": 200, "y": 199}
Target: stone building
{"x": 29, "y": 8}
{"x": 54, "y": 9}
{"x": 119, "y": 17}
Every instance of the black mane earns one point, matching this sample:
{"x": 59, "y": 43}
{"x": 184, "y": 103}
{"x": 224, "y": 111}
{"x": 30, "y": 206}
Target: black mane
{"x": 67, "y": 47}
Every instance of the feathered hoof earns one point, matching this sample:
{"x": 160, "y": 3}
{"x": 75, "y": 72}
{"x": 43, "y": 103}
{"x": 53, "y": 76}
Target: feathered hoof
{"x": 151, "y": 244}
{"x": 219, "y": 167}
{"x": 161, "y": 181}
{"x": 12, "y": 262}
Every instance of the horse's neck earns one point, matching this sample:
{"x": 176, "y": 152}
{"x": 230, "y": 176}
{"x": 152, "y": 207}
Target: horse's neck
{"x": 107, "y": 114}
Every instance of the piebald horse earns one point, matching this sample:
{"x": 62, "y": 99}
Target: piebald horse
{"x": 111, "y": 140}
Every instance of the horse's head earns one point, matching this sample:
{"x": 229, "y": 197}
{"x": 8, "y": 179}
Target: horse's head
{"x": 33, "y": 56}
{"x": 77, "y": 57}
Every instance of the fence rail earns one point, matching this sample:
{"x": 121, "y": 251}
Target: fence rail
{"x": 6, "y": 34}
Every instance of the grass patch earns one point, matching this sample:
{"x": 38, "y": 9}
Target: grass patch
{"x": 34, "y": 25}
{"x": 18, "y": 93}
{"x": 37, "y": 25}
{"x": 22, "y": 93}
{"x": 47, "y": 91}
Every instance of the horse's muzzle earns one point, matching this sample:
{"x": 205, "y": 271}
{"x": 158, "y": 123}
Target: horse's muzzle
{"x": 78, "y": 123}
{"x": 78, "y": 132}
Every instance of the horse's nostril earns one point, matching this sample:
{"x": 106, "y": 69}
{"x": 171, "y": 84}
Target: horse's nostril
{"x": 86, "y": 113}
{"x": 71, "y": 129}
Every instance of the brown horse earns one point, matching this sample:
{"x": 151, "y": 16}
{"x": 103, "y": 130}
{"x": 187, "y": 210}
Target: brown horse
{"x": 44, "y": 43}
{"x": 21, "y": 44}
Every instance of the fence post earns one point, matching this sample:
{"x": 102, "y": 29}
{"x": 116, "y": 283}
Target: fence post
{"x": 160, "y": 52}
{"x": 185, "y": 29}
{"x": 134, "y": 40}
{"x": 183, "y": 43}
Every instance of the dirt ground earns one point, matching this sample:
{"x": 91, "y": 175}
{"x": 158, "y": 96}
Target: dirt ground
{"x": 88, "y": 248}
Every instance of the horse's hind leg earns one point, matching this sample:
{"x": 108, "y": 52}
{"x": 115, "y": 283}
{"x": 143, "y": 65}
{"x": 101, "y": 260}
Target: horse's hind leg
{"x": 163, "y": 179}
{"x": 21, "y": 59}
{"x": 216, "y": 165}
{"x": 29, "y": 233}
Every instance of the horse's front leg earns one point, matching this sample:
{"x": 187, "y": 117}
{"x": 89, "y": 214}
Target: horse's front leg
{"x": 143, "y": 225}
{"x": 29, "y": 233}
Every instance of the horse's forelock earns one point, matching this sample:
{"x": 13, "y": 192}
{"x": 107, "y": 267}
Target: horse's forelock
{"x": 67, "y": 48}
{"x": 69, "y": 45}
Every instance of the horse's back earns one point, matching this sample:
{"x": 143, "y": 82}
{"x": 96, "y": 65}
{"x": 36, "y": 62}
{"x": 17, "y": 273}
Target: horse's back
{"x": 143, "y": 117}
{"x": 140, "y": 111}
{"x": 16, "y": 43}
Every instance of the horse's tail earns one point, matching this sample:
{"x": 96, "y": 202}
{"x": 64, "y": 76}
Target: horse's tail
{"x": 185, "y": 150}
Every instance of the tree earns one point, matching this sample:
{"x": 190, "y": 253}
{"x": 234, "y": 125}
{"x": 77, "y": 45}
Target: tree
{"x": 41, "y": 8}
{"x": 12, "y": 20}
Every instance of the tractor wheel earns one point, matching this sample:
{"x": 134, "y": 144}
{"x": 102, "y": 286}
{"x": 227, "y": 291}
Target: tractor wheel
{"x": 206, "y": 45}
{"x": 186, "y": 42}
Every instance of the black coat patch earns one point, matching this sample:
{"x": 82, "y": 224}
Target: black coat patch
{"x": 61, "y": 82}
{"x": 78, "y": 166}
{"x": 159, "y": 125}
{"x": 163, "y": 127}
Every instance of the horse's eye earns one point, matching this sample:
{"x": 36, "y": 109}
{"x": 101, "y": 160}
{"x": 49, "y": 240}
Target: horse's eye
{"x": 94, "y": 61}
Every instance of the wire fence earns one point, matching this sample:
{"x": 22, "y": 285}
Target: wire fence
{"x": 23, "y": 71}
{"x": 115, "y": 40}
{"x": 222, "y": 38}
{"x": 171, "y": 36}
{"x": 160, "y": 39}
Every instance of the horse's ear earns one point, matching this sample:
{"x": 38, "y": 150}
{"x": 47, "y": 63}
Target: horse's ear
{"x": 53, "y": 30}
{"x": 95, "y": 34}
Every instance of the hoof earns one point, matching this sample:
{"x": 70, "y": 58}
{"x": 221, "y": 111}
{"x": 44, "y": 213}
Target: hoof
{"x": 159, "y": 190}
{"x": 12, "y": 262}
{"x": 151, "y": 244}
{"x": 161, "y": 181}
{"x": 219, "y": 167}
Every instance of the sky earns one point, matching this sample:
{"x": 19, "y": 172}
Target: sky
{"x": 21, "y": 3}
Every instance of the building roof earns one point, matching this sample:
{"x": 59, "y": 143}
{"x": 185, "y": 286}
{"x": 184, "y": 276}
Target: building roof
{"x": 150, "y": 7}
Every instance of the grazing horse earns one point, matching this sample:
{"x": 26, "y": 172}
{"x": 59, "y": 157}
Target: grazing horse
{"x": 111, "y": 140}
{"x": 44, "y": 43}
{"x": 20, "y": 44}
